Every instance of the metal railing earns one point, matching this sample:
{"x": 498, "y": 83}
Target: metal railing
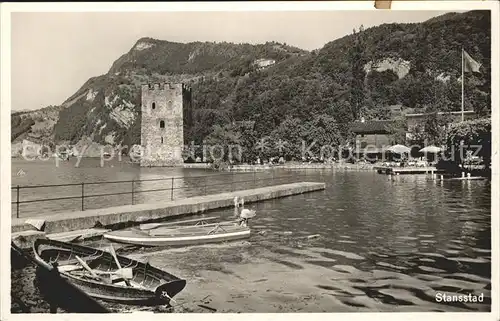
{"x": 203, "y": 184}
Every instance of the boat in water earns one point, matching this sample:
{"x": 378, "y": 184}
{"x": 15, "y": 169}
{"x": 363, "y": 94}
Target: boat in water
{"x": 56, "y": 291}
{"x": 188, "y": 235}
{"x": 107, "y": 276}
{"x": 155, "y": 234}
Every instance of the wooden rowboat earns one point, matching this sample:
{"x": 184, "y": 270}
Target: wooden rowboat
{"x": 55, "y": 290}
{"x": 185, "y": 235}
{"x": 96, "y": 273}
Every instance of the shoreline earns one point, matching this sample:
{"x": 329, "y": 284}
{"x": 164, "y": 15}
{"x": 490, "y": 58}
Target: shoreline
{"x": 288, "y": 166}
{"x": 344, "y": 166}
{"x": 236, "y": 168}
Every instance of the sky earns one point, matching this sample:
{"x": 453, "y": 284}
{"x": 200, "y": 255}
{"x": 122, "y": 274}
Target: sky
{"x": 53, "y": 54}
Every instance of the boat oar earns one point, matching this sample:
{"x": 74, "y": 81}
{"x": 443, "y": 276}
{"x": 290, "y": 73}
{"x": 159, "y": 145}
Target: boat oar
{"x": 113, "y": 253}
{"x": 86, "y": 267}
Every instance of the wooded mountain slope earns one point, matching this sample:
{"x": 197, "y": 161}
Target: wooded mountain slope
{"x": 416, "y": 65}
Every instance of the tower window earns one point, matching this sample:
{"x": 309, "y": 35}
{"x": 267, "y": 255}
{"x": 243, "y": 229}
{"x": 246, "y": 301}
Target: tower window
{"x": 162, "y": 140}
{"x": 162, "y": 124}
{"x": 153, "y": 105}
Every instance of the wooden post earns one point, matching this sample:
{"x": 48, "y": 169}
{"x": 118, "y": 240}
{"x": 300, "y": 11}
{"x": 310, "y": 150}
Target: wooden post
{"x": 172, "y": 190}
{"x": 17, "y": 202}
{"x": 132, "y": 192}
{"x": 83, "y": 196}
{"x": 254, "y": 178}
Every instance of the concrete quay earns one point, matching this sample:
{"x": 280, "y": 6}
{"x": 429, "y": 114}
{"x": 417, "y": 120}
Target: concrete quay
{"x": 23, "y": 234}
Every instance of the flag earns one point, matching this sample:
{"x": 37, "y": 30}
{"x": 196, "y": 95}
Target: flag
{"x": 470, "y": 65}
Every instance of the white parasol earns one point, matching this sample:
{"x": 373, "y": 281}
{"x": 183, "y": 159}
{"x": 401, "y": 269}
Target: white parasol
{"x": 431, "y": 149}
{"x": 399, "y": 149}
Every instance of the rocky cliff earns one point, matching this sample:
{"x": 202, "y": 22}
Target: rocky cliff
{"x": 415, "y": 65}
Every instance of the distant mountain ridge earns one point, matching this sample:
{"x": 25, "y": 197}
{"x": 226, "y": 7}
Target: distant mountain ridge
{"x": 416, "y": 65}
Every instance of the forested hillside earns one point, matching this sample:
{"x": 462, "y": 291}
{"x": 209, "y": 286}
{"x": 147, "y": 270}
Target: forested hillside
{"x": 303, "y": 95}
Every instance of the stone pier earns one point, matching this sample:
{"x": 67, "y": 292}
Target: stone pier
{"x": 23, "y": 234}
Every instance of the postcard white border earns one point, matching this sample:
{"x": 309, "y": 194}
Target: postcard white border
{"x": 5, "y": 169}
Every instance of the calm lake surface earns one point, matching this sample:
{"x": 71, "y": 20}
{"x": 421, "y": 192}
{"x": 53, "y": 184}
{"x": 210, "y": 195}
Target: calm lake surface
{"x": 383, "y": 245}
{"x": 149, "y": 184}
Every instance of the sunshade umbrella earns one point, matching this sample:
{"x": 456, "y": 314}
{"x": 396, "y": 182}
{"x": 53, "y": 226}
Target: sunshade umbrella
{"x": 399, "y": 149}
{"x": 431, "y": 149}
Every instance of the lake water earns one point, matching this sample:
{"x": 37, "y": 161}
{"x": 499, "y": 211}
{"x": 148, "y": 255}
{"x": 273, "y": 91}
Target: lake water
{"x": 149, "y": 184}
{"x": 383, "y": 245}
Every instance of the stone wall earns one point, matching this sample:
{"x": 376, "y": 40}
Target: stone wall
{"x": 163, "y": 145}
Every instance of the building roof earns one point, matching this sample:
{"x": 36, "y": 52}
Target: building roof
{"x": 371, "y": 127}
{"x": 248, "y": 124}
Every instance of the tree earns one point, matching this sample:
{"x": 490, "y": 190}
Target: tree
{"x": 421, "y": 55}
{"x": 20, "y": 126}
{"x": 398, "y": 129}
{"x": 222, "y": 142}
{"x": 248, "y": 140}
{"x": 435, "y": 125}
{"x": 357, "y": 63}
{"x": 416, "y": 139}
{"x": 380, "y": 88}
{"x": 431, "y": 128}
{"x": 286, "y": 140}
{"x": 470, "y": 135}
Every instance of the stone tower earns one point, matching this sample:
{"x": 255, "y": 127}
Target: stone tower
{"x": 162, "y": 124}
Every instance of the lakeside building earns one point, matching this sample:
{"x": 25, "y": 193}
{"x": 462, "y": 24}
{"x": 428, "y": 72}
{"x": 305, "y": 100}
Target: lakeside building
{"x": 373, "y": 136}
{"x": 418, "y": 119}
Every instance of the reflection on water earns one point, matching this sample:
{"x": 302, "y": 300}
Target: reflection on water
{"x": 401, "y": 240}
{"x": 384, "y": 245}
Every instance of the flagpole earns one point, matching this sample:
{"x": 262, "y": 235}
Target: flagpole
{"x": 463, "y": 81}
